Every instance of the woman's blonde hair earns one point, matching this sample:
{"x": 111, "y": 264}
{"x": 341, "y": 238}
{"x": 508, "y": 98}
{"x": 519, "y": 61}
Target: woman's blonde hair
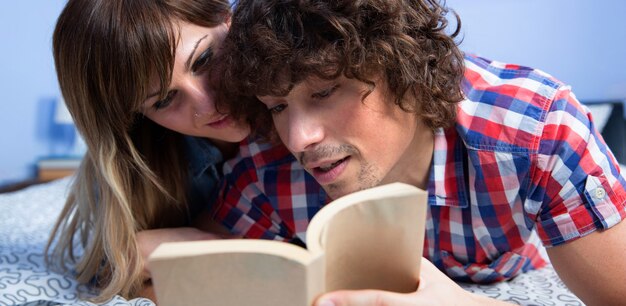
{"x": 133, "y": 176}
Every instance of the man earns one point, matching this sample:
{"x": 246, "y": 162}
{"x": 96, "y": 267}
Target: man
{"x": 369, "y": 92}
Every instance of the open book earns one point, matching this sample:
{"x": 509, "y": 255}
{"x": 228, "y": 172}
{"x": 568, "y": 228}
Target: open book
{"x": 371, "y": 239}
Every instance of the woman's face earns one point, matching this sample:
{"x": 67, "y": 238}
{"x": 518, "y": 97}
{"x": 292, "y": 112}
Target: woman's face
{"x": 189, "y": 107}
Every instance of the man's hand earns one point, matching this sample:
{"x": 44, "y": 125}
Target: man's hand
{"x": 435, "y": 288}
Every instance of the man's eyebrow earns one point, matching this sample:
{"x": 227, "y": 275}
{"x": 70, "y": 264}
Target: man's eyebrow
{"x": 188, "y": 63}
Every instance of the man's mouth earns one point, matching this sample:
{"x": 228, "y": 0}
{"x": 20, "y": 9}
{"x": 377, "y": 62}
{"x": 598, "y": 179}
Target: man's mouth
{"x": 329, "y": 172}
{"x": 331, "y": 166}
{"x": 328, "y": 164}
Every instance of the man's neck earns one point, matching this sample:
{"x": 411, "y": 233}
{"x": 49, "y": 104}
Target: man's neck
{"x": 414, "y": 164}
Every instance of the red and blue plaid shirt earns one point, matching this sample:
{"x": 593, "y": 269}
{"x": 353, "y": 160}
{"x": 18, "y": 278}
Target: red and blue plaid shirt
{"x": 523, "y": 166}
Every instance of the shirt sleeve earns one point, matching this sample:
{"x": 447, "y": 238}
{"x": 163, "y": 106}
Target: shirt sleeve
{"x": 577, "y": 179}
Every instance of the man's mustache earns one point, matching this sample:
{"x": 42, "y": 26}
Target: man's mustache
{"x": 325, "y": 152}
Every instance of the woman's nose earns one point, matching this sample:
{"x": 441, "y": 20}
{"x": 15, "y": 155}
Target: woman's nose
{"x": 201, "y": 96}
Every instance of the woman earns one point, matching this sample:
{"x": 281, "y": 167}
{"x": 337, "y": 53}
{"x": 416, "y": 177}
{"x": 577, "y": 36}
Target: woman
{"x": 135, "y": 77}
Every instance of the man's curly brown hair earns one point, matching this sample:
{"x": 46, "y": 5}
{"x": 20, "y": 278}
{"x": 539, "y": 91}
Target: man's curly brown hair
{"x": 275, "y": 44}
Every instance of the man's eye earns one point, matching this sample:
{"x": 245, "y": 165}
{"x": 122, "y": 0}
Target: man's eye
{"x": 324, "y": 93}
{"x": 277, "y": 109}
{"x": 165, "y": 102}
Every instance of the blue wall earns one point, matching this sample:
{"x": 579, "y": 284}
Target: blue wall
{"x": 27, "y": 83}
{"x": 580, "y": 42}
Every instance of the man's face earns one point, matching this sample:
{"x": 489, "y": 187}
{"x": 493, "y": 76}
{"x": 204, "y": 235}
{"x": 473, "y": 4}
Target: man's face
{"x": 347, "y": 142}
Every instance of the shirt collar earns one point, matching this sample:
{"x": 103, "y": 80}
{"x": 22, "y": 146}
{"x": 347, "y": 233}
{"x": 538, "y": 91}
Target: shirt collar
{"x": 448, "y": 184}
{"x": 201, "y": 154}
{"x": 265, "y": 153}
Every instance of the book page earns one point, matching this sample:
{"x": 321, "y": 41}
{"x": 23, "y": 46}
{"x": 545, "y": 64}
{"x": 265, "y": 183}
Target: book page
{"x": 372, "y": 239}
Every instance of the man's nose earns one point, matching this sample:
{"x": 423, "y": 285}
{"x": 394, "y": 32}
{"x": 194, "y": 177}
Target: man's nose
{"x": 305, "y": 131}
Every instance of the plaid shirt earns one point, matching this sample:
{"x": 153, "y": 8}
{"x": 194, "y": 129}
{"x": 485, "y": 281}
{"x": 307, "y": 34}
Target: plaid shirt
{"x": 522, "y": 167}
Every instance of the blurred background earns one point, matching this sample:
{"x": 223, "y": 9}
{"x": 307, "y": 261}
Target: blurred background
{"x": 580, "y": 42}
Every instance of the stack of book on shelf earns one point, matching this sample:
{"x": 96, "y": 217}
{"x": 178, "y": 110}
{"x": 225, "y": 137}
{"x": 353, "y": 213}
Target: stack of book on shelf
{"x": 56, "y": 167}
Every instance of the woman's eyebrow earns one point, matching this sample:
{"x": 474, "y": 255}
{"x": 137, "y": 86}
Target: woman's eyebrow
{"x": 152, "y": 94}
{"x": 188, "y": 63}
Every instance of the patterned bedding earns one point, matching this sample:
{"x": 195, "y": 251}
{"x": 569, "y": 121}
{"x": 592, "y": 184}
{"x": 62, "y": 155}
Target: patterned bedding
{"x": 26, "y": 217}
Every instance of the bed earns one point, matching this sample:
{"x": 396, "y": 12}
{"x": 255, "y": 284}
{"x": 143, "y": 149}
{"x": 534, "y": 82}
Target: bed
{"x": 26, "y": 217}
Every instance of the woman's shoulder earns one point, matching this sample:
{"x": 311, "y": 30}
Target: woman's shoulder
{"x": 201, "y": 154}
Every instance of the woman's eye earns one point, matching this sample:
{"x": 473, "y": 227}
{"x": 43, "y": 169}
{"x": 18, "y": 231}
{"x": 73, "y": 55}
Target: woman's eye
{"x": 203, "y": 61}
{"x": 165, "y": 102}
{"x": 277, "y": 109}
{"x": 324, "y": 93}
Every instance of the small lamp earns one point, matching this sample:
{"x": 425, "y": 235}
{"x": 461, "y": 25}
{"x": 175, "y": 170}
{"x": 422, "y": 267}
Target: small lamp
{"x": 66, "y": 141}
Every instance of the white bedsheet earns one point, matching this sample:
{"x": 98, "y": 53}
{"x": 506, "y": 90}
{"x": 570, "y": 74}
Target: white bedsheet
{"x": 26, "y": 217}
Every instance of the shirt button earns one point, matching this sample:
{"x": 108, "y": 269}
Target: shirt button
{"x": 600, "y": 193}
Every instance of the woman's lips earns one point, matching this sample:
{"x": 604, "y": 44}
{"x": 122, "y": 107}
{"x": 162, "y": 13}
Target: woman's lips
{"x": 221, "y": 122}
